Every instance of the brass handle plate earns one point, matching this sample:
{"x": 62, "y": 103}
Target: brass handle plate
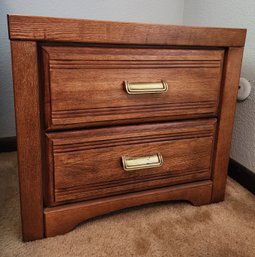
{"x": 142, "y": 162}
{"x": 133, "y": 88}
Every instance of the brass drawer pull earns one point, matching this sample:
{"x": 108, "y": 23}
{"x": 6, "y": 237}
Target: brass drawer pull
{"x": 145, "y": 87}
{"x": 142, "y": 162}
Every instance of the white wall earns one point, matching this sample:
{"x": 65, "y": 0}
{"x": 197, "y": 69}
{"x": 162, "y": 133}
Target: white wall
{"x": 151, "y": 11}
{"x": 233, "y": 13}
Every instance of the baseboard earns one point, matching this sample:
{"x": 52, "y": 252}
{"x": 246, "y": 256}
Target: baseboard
{"x": 242, "y": 175}
{"x": 8, "y": 144}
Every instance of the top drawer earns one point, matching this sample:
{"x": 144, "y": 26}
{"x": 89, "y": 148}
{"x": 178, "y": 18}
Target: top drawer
{"x": 85, "y": 86}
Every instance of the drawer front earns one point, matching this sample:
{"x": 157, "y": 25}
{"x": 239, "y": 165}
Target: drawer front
{"x": 102, "y": 162}
{"x": 92, "y": 86}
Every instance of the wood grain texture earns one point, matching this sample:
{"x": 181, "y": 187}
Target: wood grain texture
{"x": 77, "y": 30}
{"x": 86, "y": 85}
{"x": 62, "y": 219}
{"x": 231, "y": 76}
{"x": 69, "y": 74}
{"x": 28, "y": 125}
{"x": 87, "y": 164}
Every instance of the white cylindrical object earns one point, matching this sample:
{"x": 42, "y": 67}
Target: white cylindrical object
{"x": 244, "y": 89}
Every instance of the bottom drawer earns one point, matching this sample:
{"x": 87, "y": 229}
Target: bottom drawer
{"x": 108, "y": 161}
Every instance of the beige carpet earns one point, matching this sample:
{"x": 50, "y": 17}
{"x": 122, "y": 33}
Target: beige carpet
{"x": 170, "y": 229}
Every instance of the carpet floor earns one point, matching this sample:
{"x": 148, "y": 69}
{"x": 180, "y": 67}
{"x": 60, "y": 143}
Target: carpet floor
{"x": 225, "y": 229}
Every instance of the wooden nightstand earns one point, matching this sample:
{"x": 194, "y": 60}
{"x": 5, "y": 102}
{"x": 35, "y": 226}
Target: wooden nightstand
{"x": 112, "y": 115}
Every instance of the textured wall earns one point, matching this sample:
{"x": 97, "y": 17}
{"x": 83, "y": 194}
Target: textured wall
{"x": 151, "y": 11}
{"x": 233, "y": 13}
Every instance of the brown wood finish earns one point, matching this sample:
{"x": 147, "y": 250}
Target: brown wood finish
{"x": 84, "y": 31}
{"x": 28, "y": 126}
{"x": 87, "y": 164}
{"x": 62, "y": 219}
{"x": 86, "y": 85}
{"x": 226, "y": 119}
{"x": 82, "y": 66}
